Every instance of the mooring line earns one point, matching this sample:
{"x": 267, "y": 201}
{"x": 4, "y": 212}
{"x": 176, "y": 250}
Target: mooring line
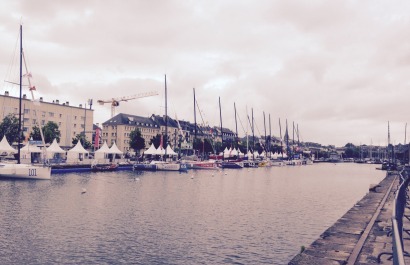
{"x": 358, "y": 248}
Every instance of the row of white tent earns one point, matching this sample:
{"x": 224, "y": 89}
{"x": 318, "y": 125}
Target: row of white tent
{"x": 159, "y": 151}
{"x": 55, "y": 148}
{"x": 231, "y": 152}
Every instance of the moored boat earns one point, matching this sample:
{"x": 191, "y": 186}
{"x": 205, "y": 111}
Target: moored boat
{"x": 232, "y": 164}
{"x": 202, "y": 165}
{"x": 100, "y": 168}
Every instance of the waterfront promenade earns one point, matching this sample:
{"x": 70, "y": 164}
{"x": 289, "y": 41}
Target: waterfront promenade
{"x": 362, "y": 234}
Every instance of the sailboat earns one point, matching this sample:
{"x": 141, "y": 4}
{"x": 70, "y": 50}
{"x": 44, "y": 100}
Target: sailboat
{"x": 165, "y": 165}
{"x": 23, "y": 171}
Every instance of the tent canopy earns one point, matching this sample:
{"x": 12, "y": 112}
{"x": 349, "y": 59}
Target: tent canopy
{"x": 55, "y": 148}
{"x": 30, "y": 149}
{"x": 114, "y": 149}
{"x": 78, "y": 148}
{"x": 5, "y": 146}
{"x": 104, "y": 149}
{"x": 170, "y": 151}
{"x": 151, "y": 150}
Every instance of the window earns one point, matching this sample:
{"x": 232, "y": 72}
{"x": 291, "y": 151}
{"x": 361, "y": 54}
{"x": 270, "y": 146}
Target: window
{"x": 61, "y": 115}
{"x": 75, "y": 125}
{"x": 51, "y": 114}
{"x": 43, "y": 114}
{"x": 26, "y": 111}
{"x": 43, "y": 122}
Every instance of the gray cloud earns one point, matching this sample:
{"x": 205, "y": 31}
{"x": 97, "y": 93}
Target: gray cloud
{"x": 339, "y": 69}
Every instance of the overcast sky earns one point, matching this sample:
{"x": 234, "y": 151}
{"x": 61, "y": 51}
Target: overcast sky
{"x": 338, "y": 69}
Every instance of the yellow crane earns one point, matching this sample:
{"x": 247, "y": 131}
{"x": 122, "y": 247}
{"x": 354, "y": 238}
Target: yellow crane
{"x": 115, "y": 102}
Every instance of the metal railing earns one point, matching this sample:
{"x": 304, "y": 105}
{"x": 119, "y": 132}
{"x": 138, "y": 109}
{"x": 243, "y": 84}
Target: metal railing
{"x": 400, "y": 202}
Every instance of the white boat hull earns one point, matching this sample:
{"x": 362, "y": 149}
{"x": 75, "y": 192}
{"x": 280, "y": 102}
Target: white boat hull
{"x": 168, "y": 166}
{"x": 24, "y": 171}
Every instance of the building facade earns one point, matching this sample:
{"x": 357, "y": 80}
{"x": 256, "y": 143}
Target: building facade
{"x": 71, "y": 120}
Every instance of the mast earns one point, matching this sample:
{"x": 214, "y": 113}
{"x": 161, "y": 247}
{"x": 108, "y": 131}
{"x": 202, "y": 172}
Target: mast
{"x": 270, "y": 137}
{"x": 195, "y": 117}
{"x": 264, "y": 125}
{"x": 222, "y": 135}
{"x": 253, "y": 138}
{"x": 236, "y": 127}
{"x": 281, "y": 140}
{"x": 287, "y": 139}
{"x": 166, "y": 118}
{"x": 20, "y": 100}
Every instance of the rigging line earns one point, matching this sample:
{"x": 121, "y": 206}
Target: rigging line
{"x": 12, "y": 60}
{"x": 200, "y": 113}
{"x": 240, "y": 121}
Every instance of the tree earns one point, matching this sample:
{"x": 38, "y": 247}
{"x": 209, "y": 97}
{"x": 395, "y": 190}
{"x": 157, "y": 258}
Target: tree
{"x": 50, "y": 132}
{"x": 136, "y": 141}
{"x": 9, "y": 127}
{"x": 84, "y": 142}
{"x": 156, "y": 140}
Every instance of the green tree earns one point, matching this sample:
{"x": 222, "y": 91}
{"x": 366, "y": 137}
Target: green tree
{"x": 50, "y": 132}
{"x": 84, "y": 142}
{"x": 35, "y": 134}
{"x": 156, "y": 140}
{"x": 136, "y": 141}
{"x": 9, "y": 127}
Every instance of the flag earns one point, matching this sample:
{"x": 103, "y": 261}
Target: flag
{"x": 32, "y": 88}
{"x": 28, "y": 75}
{"x": 97, "y": 138}
{"x": 161, "y": 142}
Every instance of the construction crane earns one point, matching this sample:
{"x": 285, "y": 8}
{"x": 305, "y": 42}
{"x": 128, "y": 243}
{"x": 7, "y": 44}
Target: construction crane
{"x": 115, "y": 102}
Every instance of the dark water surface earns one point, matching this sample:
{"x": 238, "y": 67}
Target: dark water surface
{"x": 256, "y": 216}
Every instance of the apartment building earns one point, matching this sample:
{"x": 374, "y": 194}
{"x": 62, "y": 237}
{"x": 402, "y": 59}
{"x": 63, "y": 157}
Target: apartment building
{"x": 118, "y": 129}
{"x": 71, "y": 120}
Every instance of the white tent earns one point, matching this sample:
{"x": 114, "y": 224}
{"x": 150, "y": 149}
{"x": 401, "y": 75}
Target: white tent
{"x": 170, "y": 151}
{"x": 160, "y": 151}
{"x": 100, "y": 153}
{"x": 54, "y": 148}
{"x": 78, "y": 149}
{"x": 151, "y": 150}
{"x": 114, "y": 149}
{"x": 275, "y": 156}
{"x": 76, "y": 153}
{"x": 30, "y": 149}
{"x": 249, "y": 155}
{"x": 5, "y": 146}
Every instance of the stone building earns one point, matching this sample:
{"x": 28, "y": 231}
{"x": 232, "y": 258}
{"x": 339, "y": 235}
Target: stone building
{"x": 71, "y": 120}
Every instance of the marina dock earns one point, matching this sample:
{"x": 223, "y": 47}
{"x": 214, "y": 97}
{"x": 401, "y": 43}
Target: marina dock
{"x": 363, "y": 235}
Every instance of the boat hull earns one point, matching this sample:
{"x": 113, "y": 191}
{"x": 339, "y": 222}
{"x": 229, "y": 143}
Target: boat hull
{"x": 232, "y": 165}
{"x": 202, "y": 165}
{"x": 148, "y": 167}
{"x": 24, "y": 171}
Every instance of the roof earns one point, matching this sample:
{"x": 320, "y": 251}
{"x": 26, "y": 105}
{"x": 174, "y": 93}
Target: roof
{"x": 128, "y": 119}
{"x": 160, "y": 120}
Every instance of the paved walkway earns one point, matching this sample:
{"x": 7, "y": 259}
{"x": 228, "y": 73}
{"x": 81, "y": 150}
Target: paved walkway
{"x": 361, "y": 234}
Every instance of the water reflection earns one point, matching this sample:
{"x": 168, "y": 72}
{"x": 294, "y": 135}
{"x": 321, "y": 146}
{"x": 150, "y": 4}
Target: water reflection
{"x": 244, "y": 216}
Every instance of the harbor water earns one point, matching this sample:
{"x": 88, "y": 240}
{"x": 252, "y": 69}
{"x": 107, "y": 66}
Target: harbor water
{"x": 247, "y": 216}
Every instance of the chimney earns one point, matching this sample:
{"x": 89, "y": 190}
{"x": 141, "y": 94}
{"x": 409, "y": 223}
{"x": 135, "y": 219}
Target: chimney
{"x": 67, "y": 103}
{"x": 24, "y": 96}
{"x": 41, "y": 99}
{"x": 6, "y": 93}
{"x": 57, "y": 101}
{"x": 80, "y": 106}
